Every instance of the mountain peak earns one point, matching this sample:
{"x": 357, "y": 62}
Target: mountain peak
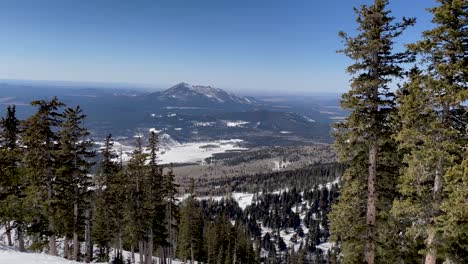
{"x": 188, "y": 92}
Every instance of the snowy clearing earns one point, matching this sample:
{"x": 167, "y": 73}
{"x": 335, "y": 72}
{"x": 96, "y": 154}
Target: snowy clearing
{"x": 238, "y": 123}
{"x": 175, "y": 152}
{"x": 11, "y": 255}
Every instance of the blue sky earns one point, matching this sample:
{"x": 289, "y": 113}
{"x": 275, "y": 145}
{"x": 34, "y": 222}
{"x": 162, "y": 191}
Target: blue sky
{"x": 241, "y": 45}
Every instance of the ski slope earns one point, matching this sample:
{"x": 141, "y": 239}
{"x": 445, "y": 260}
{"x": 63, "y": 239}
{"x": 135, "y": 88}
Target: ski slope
{"x": 11, "y": 255}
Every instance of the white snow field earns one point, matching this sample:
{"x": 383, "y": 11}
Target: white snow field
{"x": 10, "y": 255}
{"x": 197, "y": 151}
{"x": 175, "y": 152}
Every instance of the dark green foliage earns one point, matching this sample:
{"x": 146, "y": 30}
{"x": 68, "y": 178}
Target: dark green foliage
{"x": 107, "y": 203}
{"x": 12, "y": 182}
{"x": 360, "y": 217}
{"x": 40, "y": 139}
{"x": 73, "y": 166}
{"x": 433, "y": 136}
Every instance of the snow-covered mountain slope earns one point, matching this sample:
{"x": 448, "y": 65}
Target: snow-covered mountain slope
{"x": 10, "y": 255}
{"x": 201, "y": 95}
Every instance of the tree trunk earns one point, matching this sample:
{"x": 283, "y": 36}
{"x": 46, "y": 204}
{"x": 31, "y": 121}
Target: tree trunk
{"x": 8, "y": 233}
{"x": 371, "y": 205}
{"x": 52, "y": 246}
{"x": 431, "y": 255}
{"x": 191, "y": 252}
{"x": 35, "y": 240}
{"x": 89, "y": 244}
{"x": 20, "y": 238}
{"x": 141, "y": 251}
{"x": 235, "y": 253}
{"x": 149, "y": 250}
{"x": 132, "y": 249}
{"x": 76, "y": 247}
{"x": 66, "y": 248}
{"x": 52, "y": 241}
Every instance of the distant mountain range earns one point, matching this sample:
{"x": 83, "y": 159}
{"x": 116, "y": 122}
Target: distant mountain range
{"x": 188, "y": 113}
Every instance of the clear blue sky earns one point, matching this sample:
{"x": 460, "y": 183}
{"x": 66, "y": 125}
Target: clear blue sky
{"x": 241, "y": 45}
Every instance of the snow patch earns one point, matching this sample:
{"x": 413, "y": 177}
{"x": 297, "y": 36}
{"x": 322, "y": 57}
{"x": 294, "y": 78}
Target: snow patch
{"x": 203, "y": 124}
{"x": 238, "y": 123}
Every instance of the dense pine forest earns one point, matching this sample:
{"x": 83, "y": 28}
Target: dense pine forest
{"x": 398, "y": 195}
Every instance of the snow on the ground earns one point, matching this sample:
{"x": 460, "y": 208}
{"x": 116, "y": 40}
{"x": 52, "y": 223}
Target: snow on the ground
{"x": 328, "y": 185}
{"x": 238, "y": 123}
{"x": 196, "y": 152}
{"x": 203, "y": 124}
{"x": 243, "y": 199}
{"x": 280, "y": 164}
{"x": 11, "y": 255}
{"x": 325, "y": 246}
{"x": 309, "y": 119}
{"x": 151, "y": 130}
{"x": 175, "y": 152}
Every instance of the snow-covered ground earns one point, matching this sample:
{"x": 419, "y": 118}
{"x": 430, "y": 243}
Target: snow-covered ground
{"x": 203, "y": 124}
{"x": 280, "y": 164}
{"x": 10, "y": 255}
{"x": 238, "y": 123}
{"x": 198, "y": 151}
{"x": 172, "y": 151}
{"x": 242, "y": 199}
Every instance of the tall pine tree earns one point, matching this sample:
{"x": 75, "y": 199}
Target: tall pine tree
{"x": 362, "y": 137}
{"x": 102, "y": 217}
{"x": 12, "y": 182}
{"x": 434, "y": 121}
{"x": 73, "y": 158}
{"x": 40, "y": 139}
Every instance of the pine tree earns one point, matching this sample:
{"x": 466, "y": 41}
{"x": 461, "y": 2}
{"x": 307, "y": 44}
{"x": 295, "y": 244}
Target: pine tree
{"x": 191, "y": 229}
{"x": 107, "y": 179}
{"x": 158, "y": 195}
{"x": 12, "y": 182}
{"x": 140, "y": 206}
{"x": 364, "y": 133}
{"x": 73, "y": 157}
{"x": 433, "y": 134}
{"x": 453, "y": 223}
{"x": 172, "y": 210}
{"x": 40, "y": 140}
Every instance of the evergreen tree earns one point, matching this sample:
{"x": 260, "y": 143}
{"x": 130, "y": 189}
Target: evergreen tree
{"x": 172, "y": 210}
{"x": 106, "y": 179}
{"x": 360, "y": 139}
{"x": 140, "y": 206}
{"x": 157, "y": 195}
{"x": 191, "y": 229}
{"x": 12, "y": 182}
{"x": 73, "y": 158}
{"x": 40, "y": 139}
{"x": 433, "y": 135}
{"x": 453, "y": 223}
